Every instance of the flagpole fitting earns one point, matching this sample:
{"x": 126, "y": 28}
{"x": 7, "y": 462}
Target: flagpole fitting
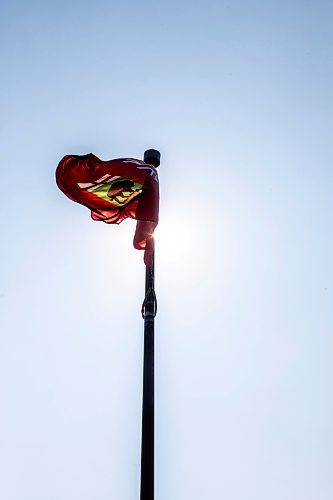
{"x": 149, "y": 305}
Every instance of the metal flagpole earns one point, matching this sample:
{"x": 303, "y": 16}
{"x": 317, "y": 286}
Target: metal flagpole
{"x": 148, "y": 312}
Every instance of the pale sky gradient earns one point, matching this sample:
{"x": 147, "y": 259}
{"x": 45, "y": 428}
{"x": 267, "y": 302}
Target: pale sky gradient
{"x": 237, "y": 96}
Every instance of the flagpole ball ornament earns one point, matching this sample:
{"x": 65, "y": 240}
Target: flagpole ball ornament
{"x": 153, "y": 157}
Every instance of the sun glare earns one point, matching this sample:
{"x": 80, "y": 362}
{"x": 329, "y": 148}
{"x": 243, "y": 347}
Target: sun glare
{"x": 172, "y": 239}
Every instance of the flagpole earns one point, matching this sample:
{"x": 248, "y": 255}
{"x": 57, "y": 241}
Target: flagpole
{"x": 151, "y": 156}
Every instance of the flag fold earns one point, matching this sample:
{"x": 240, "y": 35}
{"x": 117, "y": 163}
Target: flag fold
{"x": 114, "y": 190}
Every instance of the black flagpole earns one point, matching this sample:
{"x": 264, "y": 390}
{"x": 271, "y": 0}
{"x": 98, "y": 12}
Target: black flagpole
{"x": 148, "y": 312}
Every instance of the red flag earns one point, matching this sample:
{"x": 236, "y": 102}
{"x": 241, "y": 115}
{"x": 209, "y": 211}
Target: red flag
{"x": 114, "y": 190}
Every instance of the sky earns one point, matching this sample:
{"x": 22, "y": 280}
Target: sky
{"x": 237, "y": 96}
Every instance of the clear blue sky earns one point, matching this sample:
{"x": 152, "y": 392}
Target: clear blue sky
{"x": 237, "y": 96}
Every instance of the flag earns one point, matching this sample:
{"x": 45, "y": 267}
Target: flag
{"x": 114, "y": 190}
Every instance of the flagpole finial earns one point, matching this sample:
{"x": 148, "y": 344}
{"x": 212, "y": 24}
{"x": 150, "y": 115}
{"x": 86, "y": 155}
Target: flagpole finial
{"x": 153, "y": 157}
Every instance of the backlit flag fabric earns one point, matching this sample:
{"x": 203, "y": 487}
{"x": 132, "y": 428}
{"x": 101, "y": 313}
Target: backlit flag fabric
{"x": 114, "y": 190}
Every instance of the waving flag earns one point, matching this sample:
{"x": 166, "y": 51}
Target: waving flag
{"x": 114, "y": 190}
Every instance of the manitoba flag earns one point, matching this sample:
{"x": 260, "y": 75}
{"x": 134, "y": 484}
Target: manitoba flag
{"x": 114, "y": 190}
